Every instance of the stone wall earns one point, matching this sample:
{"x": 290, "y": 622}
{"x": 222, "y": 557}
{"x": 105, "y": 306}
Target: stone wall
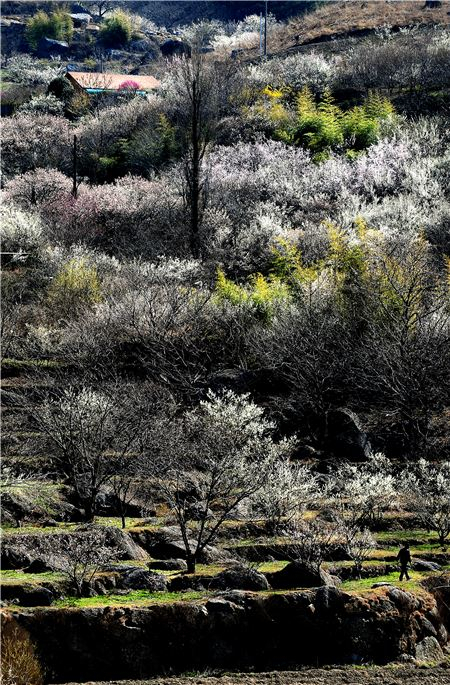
{"x": 236, "y": 630}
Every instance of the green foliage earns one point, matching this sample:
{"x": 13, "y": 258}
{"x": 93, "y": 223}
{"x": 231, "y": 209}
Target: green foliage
{"x": 75, "y": 286}
{"x": 228, "y": 291}
{"x": 288, "y": 267}
{"x": 151, "y": 147}
{"x": 61, "y": 88}
{"x": 323, "y": 127}
{"x": 116, "y": 30}
{"x": 261, "y": 295}
{"x": 58, "y": 26}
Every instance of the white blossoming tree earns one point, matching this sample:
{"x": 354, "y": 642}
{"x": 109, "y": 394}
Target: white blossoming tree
{"x": 215, "y": 458}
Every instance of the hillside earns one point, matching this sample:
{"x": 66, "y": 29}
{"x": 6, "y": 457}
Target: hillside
{"x": 225, "y": 344}
{"x": 336, "y": 20}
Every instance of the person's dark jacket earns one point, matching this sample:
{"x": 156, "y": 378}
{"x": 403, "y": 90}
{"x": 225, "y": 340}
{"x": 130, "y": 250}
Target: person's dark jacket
{"x": 404, "y": 556}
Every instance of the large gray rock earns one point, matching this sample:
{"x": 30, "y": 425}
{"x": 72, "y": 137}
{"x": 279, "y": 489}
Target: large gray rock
{"x": 240, "y": 578}
{"x": 27, "y": 595}
{"x": 140, "y": 579}
{"x": 297, "y": 574}
{"x": 123, "y": 543}
{"x": 172, "y": 48}
{"x": 38, "y": 565}
{"x": 429, "y": 650}
{"x": 422, "y": 565}
{"x": 13, "y": 558}
{"x": 346, "y": 438}
{"x": 166, "y": 543}
{"x": 49, "y": 47}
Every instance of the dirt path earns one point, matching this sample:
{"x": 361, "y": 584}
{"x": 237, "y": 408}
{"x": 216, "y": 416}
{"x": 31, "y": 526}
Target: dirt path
{"x": 376, "y": 675}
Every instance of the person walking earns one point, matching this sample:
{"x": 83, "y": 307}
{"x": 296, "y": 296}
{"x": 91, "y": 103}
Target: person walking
{"x": 404, "y": 558}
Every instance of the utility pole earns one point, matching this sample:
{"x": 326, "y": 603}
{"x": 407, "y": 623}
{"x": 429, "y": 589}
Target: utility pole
{"x": 260, "y": 35}
{"x": 265, "y": 28}
{"x": 74, "y": 168}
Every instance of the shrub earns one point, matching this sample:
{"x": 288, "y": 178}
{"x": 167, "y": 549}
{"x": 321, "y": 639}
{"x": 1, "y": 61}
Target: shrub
{"x": 116, "y": 31}
{"x": 294, "y": 72}
{"x": 74, "y": 287}
{"x": 36, "y": 188}
{"x": 28, "y": 71}
{"x": 43, "y": 104}
{"x": 19, "y": 663}
{"x": 61, "y": 88}
{"x": 325, "y": 126}
{"x": 21, "y": 231}
{"x": 129, "y": 85}
{"x": 261, "y": 295}
{"x": 58, "y": 25}
{"x": 35, "y": 140}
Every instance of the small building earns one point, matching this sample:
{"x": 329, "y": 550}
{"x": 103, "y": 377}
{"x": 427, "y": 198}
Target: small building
{"x": 93, "y": 83}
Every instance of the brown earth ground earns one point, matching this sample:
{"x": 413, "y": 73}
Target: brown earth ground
{"x": 373, "y": 675}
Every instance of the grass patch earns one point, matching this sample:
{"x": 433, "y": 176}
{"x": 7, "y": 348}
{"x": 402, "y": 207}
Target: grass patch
{"x": 43, "y": 530}
{"x": 365, "y": 584}
{"x": 116, "y": 522}
{"x": 419, "y": 534}
{"x": 137, "y": 597}
{"x": 13, "y": 577}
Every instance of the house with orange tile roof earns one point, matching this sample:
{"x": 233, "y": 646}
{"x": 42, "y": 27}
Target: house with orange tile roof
{"x": 92, "y": 83}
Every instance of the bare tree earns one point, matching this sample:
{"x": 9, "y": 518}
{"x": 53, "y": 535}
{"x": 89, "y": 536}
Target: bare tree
{"x": 405, "y": 359}
{"x": 202, "y": 94}
{"x": 312, "y": 540}
{"x": 125, "y": 483}
{"x": 94, "y": 433}
{"x": 357, "y": 543}
{"x": 80, "y": 557}
{"x": 209, "y": 462}
{"x": 102, "y": 7}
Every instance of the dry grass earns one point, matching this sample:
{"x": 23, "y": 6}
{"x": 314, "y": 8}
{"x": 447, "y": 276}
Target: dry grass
{"x": 339, "y": 18}
{"x": 19, "y": 663}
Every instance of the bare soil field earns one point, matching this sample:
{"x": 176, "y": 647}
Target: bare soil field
{"x": 373, "y": 675}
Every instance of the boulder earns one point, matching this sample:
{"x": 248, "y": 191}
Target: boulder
{"x": 80, "y": 19}
{"x": 220, "y": 605}
{"x": 196, "y": 512}
{"x": 140, "y": 579}
{"x": 298, "y": 574}
{"x": 166, "y": 543}
{"x": 346, "y": 438}
{"x": 37, "y": 566}
{"x": 182, "y": 583}
{"x": 141, "y": 45}
{"x": 429, "y": 649}
{"x": 172, "y": 48}
{"x": 168, "y": 565}
{"x": 240, "y": 578}
{"x": 107, "y": 504}
{"x": 27, "y": 595}
{"x": 13, "y": 558}
{"x": 48, "y": 47}
{"x": 37, "y": 597}
{"x": 422, "y": 565}
{"x": 404, "y": 600}
{"x": 19, "y": 508}
{"x": 123, "y": 544}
